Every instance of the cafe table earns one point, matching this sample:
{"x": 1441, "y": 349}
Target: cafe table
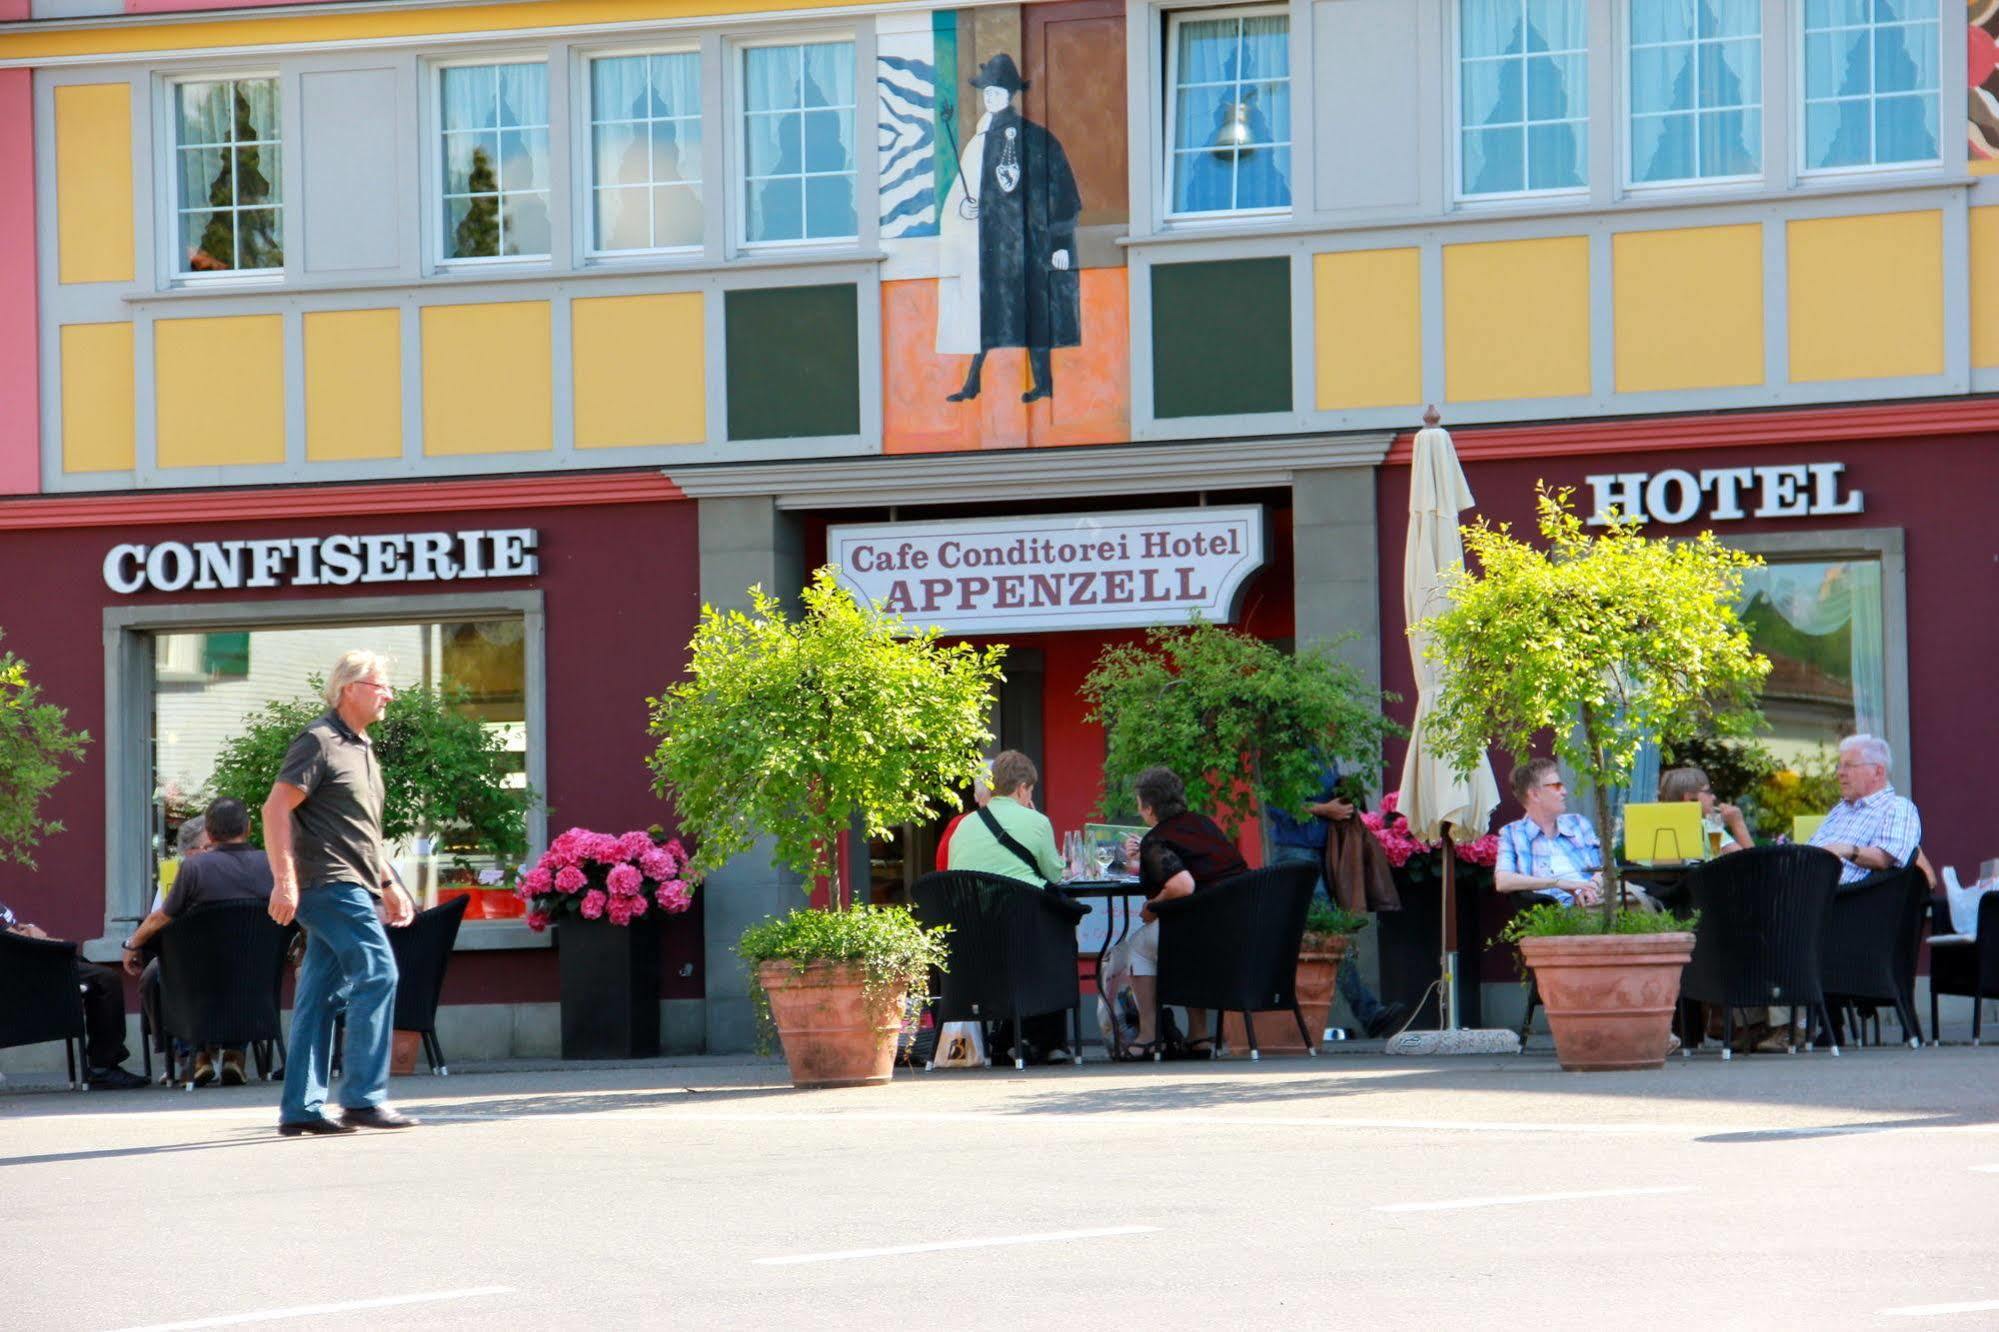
{"x": 1120, "y": 895}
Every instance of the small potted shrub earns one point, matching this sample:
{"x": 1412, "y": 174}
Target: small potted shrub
{"x": 1329, "y": 932}
{"x": 1609, "y": 984}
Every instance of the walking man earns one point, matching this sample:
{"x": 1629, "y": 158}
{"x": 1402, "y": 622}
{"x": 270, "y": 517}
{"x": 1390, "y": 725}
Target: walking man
{"x": 323, "y": 828}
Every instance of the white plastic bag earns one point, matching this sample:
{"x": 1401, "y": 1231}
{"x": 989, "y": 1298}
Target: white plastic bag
{"x": 959, "y": 1045}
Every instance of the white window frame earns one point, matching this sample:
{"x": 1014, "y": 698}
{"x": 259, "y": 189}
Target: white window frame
{"x": 433, "y": 157}
{"x": 1798, "y": 118}
{"x": 736, "y": 53}
{"x": 1630, "y": 183}
{"x": 1456, "y": 91}
{"x": 586, "y": 152}
{"x": 1170, "y": 122}
{"x": 173, "y": 263}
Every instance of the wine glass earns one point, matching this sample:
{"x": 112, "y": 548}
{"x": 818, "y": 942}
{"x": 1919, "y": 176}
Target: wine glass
{"x": 1106, "y": 853}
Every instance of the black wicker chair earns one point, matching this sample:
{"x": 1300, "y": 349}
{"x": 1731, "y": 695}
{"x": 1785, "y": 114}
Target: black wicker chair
{"x": 1969, "y": 968}
{"x": 1013, "y": 952}
{"x": 1872, "y": 937}
{"x": 221, "y": 967}
{"x": 42, "y": 1000}
{"x": 1234, "y": 948}
{"x": 422, "y": 950}
{"x": 1763, "y": 924}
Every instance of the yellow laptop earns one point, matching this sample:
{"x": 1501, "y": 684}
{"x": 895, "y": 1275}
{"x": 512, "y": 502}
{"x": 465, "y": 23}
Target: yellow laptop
{"x": 1664, "y": 834}
{"x": 1805, "y": 826}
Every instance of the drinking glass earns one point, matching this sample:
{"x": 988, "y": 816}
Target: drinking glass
{"x": 1106, "y": 853}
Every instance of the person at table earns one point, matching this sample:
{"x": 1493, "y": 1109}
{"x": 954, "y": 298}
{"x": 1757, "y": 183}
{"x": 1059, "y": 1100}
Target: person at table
{"x": 1182, "y": 852}
{"x": 1548, "y": 850}
{"x": 1008, "y": 836}
{"x": 103, "y": 1014}
{"x": 1724, "y": 825}
{"x": 982, "y": 792}
{"x": 1871, "y": 828}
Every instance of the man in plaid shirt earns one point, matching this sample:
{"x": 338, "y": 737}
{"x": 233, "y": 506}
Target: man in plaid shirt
{"x": 1871, "y": 828}
{"x": 1550, "y": 850}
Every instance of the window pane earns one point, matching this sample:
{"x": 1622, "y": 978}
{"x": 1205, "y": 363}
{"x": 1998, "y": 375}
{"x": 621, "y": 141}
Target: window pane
{"x": 472, "y": 227}
{"x": 770, "y": 74}
{"x": 1905, "y": 129}
{"x": 1495, "y": 161}
{"x": 203, "y": 112}
{"x": 622, "y": 221}
{"x": 471, "y": 163}
{"x": 677, "y": 215}
{"x": 524, "y": 160}
{"x": 774, "y": 144}
{"x": 676, "y": 84}
{"x": 1555, "y": 156}
{"x": 1731, "y": 74}
{"x": 1731, "y": 18}
{"x": 257, "y": 174}
{"x": 620, "y": 154}
{"x": 257, "y": 109}
{"x": 468, "y": 97}
{"x": 1662, "y": 79}
{"x": 829, "y": 74}
{"x": 1896, "y": 11}
{"x": 829, "y": 141}
{"x": 1490, "y": 28}
{"x": 1661, "y": 21}
{"x": 1557, "y": 87}
{"x": 1263, "y": 178}
{"x": 1835, "y": 13}
{"x": 204, "y": 178}
{"x": 1203, "y": 181}
{"x": 1836, "y": 64}
{"x": 1837, "y": 134}
{"x": 1662, "y": 148}
{"x": 1905, "y": 59}
{"x": 1269, "y": 113}
{"x": 1266, "y": 48}
{"x": 777, "y": 210}
{"x": 1207, "y": 51}
{"x": 523, "y": 95}
{"x": 829, "y": 206}
{"x": 200, "y": 229}
{"x": 1492, "y": 92}
{"x": 676, "y": 150}
{"x": 524, "y": 224}
{"x": 1820, "y": 624}
{"x": 1556, "y": 25}
{"x": 1732, "y": 143}
{"x": 259, "y": 243}
{"x": 618, "y": 89}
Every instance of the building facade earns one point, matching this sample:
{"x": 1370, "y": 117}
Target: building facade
{"x": 691, "y": 293}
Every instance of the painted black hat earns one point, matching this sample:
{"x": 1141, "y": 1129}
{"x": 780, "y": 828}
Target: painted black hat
{"x": 1000, "y": 72}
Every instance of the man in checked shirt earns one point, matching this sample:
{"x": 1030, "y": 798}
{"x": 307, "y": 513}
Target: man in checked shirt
{"x": 1871, "y": 828}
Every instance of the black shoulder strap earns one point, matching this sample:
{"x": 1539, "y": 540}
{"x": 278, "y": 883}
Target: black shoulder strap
{"x": 1006, "y": 840}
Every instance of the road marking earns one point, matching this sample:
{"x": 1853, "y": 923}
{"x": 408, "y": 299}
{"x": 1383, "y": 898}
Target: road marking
{"x": 1987, "y": 1170}
{"x": 1936, "y": 1310}
{"x": 940, "y": 1245}
{"x": 316, "y": 1310}
{"x": 1457, "y": 1203}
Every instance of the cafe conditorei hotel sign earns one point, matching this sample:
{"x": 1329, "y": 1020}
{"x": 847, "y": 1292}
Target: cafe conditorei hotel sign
{"x": 1056, "y": 571}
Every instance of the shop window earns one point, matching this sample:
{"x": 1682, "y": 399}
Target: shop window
{"x": 645, "y": 152}
{"x": 493, "y": 121}
{"x": 228, "y": 199}
{"x": 1228, "y": 115}
{"x": 798, "y": 143}
{"x": 1696, "y": 90}
{"x": 1870, "y": 83}
{"x": 1523, "y": 96}
{"x": 1821, "y": 624}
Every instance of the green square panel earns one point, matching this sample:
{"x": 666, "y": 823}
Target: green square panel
{"x": 1221, "y": 338}
{"x": 794, "y": 362}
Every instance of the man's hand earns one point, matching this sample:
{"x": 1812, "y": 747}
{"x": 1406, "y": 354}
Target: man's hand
{"x": 1336, "y": 809}
{"x": 28, "y": 931}
{"x": 284, "y": 901}
{"x": 397, "y": 909}
{"x": 133, "y": 961}
{"x": 1059, "y": 261}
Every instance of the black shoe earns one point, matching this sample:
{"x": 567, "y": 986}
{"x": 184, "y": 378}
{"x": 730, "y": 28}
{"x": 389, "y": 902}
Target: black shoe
{"x": 313, "y": 1127}
{"x": 1387, "y": 1021}
{"x": 115, "y": 1078}
{"x": 377, "y": 1117}
{"x": 1038, "y": 392}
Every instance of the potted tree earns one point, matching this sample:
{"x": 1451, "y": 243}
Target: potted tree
{"x": 36, "y": 750}
{"x": 1603, "y": 641}
{"x": 801, "y": 729}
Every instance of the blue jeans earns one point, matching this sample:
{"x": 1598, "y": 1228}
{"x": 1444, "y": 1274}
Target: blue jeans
{"x": 348, "y": 953}
{"x": 1359, "y": 998}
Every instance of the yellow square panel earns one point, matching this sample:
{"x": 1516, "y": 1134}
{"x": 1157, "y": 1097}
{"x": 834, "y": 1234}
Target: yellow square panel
{"x": 94, "y": 182}
{"x": 1689, "y": 308}
{"x": 353, "y": 385}
{"x": 1367, "y": 311}
{"x": 97, "y": 417}
{"x": 219, "y": 391}
{"x": 1516, "y": 319}
{"x": 1866, "y": 296}
{"x": 639, "y": 370}
{"x": 486, "y": 377}
{"x": 1985, "y": 287}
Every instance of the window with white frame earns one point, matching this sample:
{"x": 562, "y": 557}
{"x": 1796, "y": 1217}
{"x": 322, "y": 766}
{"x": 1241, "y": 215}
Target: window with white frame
{"x": 493, "y": 121}
{"x": 1523, "y": 96}
{"x": 645, "y": 151}
{"x": 798, "y": 143}
{"x": 1696, "y": 90}
{"x": 1870, "y": 83}
{"x": 227, "y": 199}
{"x": 1228, "y": 117}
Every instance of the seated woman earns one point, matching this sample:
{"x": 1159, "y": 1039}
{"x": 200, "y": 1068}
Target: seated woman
{"x": 1726, "y": 829}
{"x": 1183, "y": 852}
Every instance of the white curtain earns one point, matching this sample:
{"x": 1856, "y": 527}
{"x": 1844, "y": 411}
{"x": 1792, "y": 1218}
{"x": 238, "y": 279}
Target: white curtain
{"x": 1821, "y": 599}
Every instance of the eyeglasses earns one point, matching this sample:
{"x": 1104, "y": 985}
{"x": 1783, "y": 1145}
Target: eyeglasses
{"x": 1554, "y": 786}
{"x": 378, "y": 686}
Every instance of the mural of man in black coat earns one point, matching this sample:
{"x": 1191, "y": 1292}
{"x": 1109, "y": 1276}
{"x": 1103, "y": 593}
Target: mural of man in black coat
{"x": 1025, "y": 202}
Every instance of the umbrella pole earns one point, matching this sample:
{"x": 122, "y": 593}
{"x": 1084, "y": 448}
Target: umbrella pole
{"x": 1447, "y": 999}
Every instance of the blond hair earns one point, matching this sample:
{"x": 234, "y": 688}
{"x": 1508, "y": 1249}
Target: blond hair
{"x": 352, "y": 666}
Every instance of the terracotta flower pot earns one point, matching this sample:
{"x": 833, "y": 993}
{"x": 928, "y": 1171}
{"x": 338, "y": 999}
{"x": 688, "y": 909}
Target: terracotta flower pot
{"x": 1277, "y": 1032}
{"x": 830, "y": 1037}
{"x": 1609, "y": 997}
{"x": 403, "y": 1047}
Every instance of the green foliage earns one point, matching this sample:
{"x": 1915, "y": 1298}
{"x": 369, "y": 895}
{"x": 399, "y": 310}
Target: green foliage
{"x": 1632, "y": 637}
{"x": 894, "y": 953}
{"x": 1735, "y": 768}
{"x": 1547, "y": 918}
{"x": 1246, "y": 725}
{"x": 478, "y": 232}
{"x": 788, "y": 727}
{"x": 442, "y": 772}
{"x": 36, "y": 750}
{"x": 1811, "y": 787}
{"x": 1323, "y": 917}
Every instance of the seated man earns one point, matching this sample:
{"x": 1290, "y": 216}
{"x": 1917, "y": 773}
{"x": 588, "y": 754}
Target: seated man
{"x": 1549, "y": 850}
{"x": 1008, "y": 836}
{"x": 231, "y": 870}
{"x": 103, "y": 1015}
{"x": 1871, "y": 828}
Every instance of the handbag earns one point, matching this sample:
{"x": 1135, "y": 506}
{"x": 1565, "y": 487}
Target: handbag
{"x": 960, "y": 1045}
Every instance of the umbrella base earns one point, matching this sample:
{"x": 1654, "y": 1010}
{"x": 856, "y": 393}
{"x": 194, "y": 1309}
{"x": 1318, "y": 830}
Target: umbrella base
{"x": 1457, "y": 1041}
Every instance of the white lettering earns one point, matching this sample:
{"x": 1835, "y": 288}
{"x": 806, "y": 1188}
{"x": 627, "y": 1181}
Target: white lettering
{"x": 125, "y": 569}
{"x": 1623, "y": 492}
{"x": 209, "y": 566}
{"x": 382, "y": 559}
{"x": 1725, "y": 484}
{"x": 473, "y": 565}
{"x": 1668, "y": 510}
{"x": 340, "y": 560}
{"x": 179, "y": 557}
{"x": 308, "y": 561}
{"x": 430, "y": 557}
{"x": 1825, "y": 490}
{"x": 220, "y": 565}
{"x": 1677, "y": 496}
{"x": 513, "y": 555}
{"x": 1783, "y": 491}
{"x": 267, "y": 558}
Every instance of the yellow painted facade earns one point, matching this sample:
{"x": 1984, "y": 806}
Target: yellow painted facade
{"x": 486, "y": 379}
{"x": 1985, "y": 288}
{"x": 219, "y": 391}
{"x": 640, "y": 373}
{"x": 1368, "y": 322}
{"x": 94, "y": 182}
{"x": 1866, "y": 296}
{"x": 97, "y": 415}
{"x": 1516, "y": 319}
{"x": 1689, "y": 308}
{"x": 353, "y": 385}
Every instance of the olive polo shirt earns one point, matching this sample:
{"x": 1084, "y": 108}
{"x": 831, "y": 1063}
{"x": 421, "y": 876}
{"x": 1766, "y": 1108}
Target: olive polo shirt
{"x": 337, "y": 828}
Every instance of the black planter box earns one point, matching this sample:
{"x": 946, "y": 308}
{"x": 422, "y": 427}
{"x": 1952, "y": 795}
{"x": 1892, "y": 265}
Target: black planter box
{"x": 610, "y": 988}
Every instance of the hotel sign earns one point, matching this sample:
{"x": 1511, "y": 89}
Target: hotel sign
{"x": 328, "y": 561}
{"x": 1058, "y": 571}
{"x": 1723, "y": 494}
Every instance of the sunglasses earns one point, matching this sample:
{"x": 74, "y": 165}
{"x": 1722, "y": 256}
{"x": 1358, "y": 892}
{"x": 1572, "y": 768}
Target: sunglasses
{"x": 1554, "y": 786}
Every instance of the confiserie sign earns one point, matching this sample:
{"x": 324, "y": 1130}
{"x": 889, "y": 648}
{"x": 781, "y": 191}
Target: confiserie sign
{"x": 338, "y": 560}
{"x": 1057, "y": 571}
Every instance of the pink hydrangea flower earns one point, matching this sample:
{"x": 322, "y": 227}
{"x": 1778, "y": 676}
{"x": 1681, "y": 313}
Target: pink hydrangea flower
{"x": 602, "y": 848}
{"x": 594, "y": 902}
{"x": 569, "y": 879}
{"x": 633, "y": 845}
{"x": 620, "y": 910}
{"x": 537, "y": 921}
{"x": 674, "y": 896}
{"x": 1482, "y": 851}
{"x": 625, "y": 881}
{"x": 658, "y": 864}
{"x": 637, "y": 903}
{"x": 537, "y": 881}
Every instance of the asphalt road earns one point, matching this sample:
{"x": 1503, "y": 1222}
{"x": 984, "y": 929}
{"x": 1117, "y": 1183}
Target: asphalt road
{"x": 1353, "y": 1191}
